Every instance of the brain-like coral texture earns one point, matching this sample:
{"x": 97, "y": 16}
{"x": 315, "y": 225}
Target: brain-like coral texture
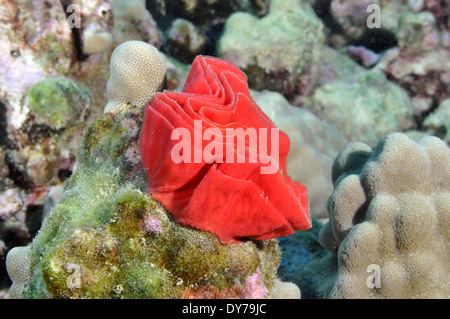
{"x": 18, "y": 264}
{"x": 389, "y": 222}
{"x": 137, "y": 71}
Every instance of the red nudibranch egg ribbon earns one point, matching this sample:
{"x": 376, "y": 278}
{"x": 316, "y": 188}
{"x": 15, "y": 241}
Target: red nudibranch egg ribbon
{"x": 217, "y": 162}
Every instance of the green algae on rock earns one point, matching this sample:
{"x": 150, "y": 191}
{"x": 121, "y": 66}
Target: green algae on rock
{"x": 438, "y": 122}
{"x": 58, "y": 101}
{"x": 285, "y": 43}
{"x": 365, "y": 108}
{"x": 107, "y": 238}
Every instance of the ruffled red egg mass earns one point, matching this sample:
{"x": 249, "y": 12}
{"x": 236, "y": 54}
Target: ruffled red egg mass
{"x": 205, "y": 165}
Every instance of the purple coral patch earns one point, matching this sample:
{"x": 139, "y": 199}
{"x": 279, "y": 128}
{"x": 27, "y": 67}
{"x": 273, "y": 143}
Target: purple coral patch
{"x": 254, "y": 287}
{"x": 151, "y": 224}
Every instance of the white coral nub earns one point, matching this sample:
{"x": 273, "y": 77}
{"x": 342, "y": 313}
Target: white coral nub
{"x": 285, "y": 290}
{"x": 137, "y": 71}
{"x": 18, "y": 266}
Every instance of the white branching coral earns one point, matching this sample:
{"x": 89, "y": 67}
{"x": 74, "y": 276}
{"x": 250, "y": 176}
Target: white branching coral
{"x": 18, "y": 266}
{"x": 137, "y": 71}
{"x": 389, "y": 223}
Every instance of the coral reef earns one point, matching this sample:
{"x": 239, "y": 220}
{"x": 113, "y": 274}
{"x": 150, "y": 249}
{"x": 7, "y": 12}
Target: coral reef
{"x": 326, "y": 72}
{"x": 96, "y": 29}
{"x": 420, "y": 64}
{"x": 365, "y": 107}
{"x": 107, "y": 239}
{"x": 132, "y": 21}
{"x": 359, "y": 19}
{"x": 198, "y": 24}
{"x": 389, "y": 211}
{"x": 438, "y": 122}
{"x": 54, "y": 67}
{"x": 316, "y": 77}
{"x": 351, "y": 16}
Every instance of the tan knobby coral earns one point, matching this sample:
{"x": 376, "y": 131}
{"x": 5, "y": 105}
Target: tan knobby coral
{"x": 389, "y": 222}
{"x": 137, "y": 71}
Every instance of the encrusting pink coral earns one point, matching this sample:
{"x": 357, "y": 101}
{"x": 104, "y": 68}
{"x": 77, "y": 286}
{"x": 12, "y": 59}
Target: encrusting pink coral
{"x": 203, "y": 185}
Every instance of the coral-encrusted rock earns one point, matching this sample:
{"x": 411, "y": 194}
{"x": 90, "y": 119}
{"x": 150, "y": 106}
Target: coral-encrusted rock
{"x": 365, "y": 106}
{"x": 205, "y": 12}
{"x": 421, "y": 63}
{"x": 132, "y": 21}
{"x": 185, "y": 41}
{"x": 389, "y": 219}
{"x": 438, "y": 122}
{"x": 107, "y": 238}
{"x": 353, "y": 15}
{"x": 53, "y": 75}
{"x": 10, "y": 203}
{"x": 277, "y": 58}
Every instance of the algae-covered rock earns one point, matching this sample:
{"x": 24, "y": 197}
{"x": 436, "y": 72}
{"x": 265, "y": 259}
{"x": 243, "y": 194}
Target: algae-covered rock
{"x": 290, "y": 26}
{"x": 55, "y": 112}
{"x": 364, "y": 108}
{"x": 421, "y": 62}
{"x": 283, "y": 44}
{"x": 438, "y": 122}
{"x": 58, "y": 101}
{"x": 417, "y": 32}
{"x": 43, "y": 41}
{"x": 107, "y": 238}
